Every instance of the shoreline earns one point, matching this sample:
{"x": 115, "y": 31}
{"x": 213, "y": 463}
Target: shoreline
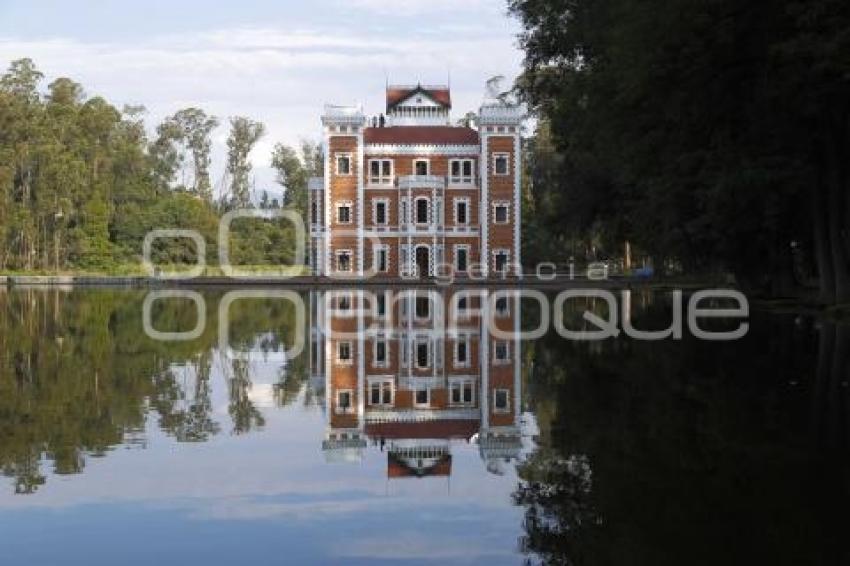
{"x": 12, "y": 281}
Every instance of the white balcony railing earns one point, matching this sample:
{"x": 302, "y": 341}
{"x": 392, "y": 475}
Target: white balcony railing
{"x": 421, "y": 182}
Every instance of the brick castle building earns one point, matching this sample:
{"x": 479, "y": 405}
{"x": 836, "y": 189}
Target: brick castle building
{"x": 409, "y": 191}
{"x": 418, "y": 372}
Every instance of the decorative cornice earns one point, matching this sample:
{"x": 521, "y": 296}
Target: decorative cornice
{"x": 422, "y": 149}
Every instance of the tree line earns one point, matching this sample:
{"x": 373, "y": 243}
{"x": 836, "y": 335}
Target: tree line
{"x": 82, "y": 182}
{"x": 79, "y": 376}
{"x": 711, "y": 136}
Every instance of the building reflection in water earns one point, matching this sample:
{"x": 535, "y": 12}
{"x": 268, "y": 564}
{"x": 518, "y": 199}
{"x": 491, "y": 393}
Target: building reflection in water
{"x": 411, "y": 372}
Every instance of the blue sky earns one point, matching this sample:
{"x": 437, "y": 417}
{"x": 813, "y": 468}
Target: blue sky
{"x": 278, "y": 62}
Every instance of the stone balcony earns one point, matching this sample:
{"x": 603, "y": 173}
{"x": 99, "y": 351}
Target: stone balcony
{"x": 421, "y": 182}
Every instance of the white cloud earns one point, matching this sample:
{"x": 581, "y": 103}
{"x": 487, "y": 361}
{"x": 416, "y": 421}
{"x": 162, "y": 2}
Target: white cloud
{"x": 280, "y": 77}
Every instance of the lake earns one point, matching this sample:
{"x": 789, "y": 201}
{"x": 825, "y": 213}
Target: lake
{"x": 281, "y": 427}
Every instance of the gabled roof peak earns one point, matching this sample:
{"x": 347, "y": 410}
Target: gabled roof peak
{"x": 396, "y": 94}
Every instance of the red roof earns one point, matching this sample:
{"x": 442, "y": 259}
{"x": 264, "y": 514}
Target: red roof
{"x": 397, "y": 94}
{"x": 454, "y": 428}
{"x": 430, "y": 135}
{"x": 397, "y": 468}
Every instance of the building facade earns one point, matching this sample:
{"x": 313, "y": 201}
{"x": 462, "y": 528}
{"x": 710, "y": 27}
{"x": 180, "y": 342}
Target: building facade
{"x": 408, "y": 194}
{"x": 416, "y": 371}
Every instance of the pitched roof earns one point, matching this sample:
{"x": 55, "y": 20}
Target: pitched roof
{"x": 397, "y": 94}
{"x": 428, "y": 135}
{"x": 402, "y": 468}
{"x": 450, "y": 428}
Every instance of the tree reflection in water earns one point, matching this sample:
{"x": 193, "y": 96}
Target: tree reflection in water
{"x": 690, "y": 452}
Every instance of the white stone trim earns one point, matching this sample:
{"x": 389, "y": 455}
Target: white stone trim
{"x": 422, "y": 149}
{"x": 507, "y": 407}
{"x": 498, "y": 251}
{"x": 471, "y": 232}
{"x": 483, "y": 208}
{"x": 347, "y": 410}
{"x": 427, "y": 166}
{"x": 378, "y": 248}
{"x": 460, "y": 382}
{"x": 344, "y": 203}
{"x": 361, "y": 208}
{"x": 465, "y": 247}
{"x": 427, "y": 390}
{"x": 380, "y": 180}
{"x": 416, "y": 210}
{"x": 462, "y": 179}
{"x": 340, "y": 361}
{"x": 375, "y": 362}
{"x": 498, "y": 155}
{"x": 507, "y": 205}
{"x": 339, "y": 155}
{"x": 416, "y": 343}
{"x": 386, "y": 202}
{"x": 455, "y": 202}
{"x": 507, "y": 359}
{"x": 337, "y": 254}
{"x": 518, "y": 205}
{"x": 465, "y": 339}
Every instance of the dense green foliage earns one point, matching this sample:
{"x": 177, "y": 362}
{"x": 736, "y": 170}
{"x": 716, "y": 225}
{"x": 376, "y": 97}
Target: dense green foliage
{"x": 81, "y": 184}
{"x": 78, "y": 374}
{"x": 713, "y": 135}
{"x": 689, "y": 452}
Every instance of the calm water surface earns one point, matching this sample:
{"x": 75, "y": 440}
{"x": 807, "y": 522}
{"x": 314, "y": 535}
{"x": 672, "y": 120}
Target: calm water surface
{"x": 117, "y": 448}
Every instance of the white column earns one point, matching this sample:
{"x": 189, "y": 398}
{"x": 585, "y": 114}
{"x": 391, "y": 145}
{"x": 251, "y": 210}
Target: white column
{"x": 517, "y": 205}
{"x": 361, "y": 203}
{"x": 483, "y": 212}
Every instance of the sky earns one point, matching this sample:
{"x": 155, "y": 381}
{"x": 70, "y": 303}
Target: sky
{"x": 277, "y": 62}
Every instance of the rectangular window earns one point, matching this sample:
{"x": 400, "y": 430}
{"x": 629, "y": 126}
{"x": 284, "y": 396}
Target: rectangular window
{"x": 460, "y": 171}
{"x": 403, "y": 206}
{"x": 422, "y": 397}
{"x": 461, "y": 258}
{"x": 422, "y": 355}
{"x": 502, "y": 306}
{"x": 343, "y": 164}
{"x": 380, "y": 353}
{"x": 420, "y": 167}
{"x": 461, "y": 393}
{"x": 381, "y": 212}
{"x": 462, "y": 352}
{"x": 501, "y": 352}
{"x": 343, "y": 302}
{"x": 422, "y": 210}
{"x": 461, "y": 211}
{"x": 344, "y": 401}
{"x": 381, "y": 392}
{"x": 343, "y": 213}
{"x": 501, "y": 400}
{"x": 343, "y": 260}
{"x": 314, "y": 213}
{"x": 500, "y": 261}
{"x": 500, "y": 213}
{"x": 501, "y": 163}
{"x": 382, "y": 258}
{"x": 380, "y": 304}
{"x": 380, "y": 171}
{"x": 423, "y": 307}
{"x": 343, "y": 352}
